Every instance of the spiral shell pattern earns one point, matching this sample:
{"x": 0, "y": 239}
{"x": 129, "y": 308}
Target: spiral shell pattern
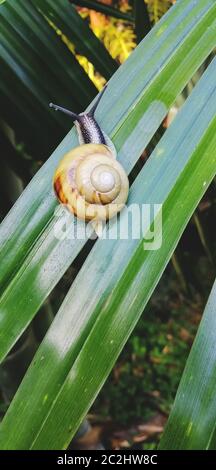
{"x": 91, "y": 182}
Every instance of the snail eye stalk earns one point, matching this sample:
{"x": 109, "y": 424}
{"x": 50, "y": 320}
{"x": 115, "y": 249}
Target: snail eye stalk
{"x": 95, "y": 105}
{"x": 74, "y": 116}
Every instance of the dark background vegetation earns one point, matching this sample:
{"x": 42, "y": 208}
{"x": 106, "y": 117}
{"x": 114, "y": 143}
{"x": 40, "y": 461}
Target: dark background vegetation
{"x": 50, "y": 52}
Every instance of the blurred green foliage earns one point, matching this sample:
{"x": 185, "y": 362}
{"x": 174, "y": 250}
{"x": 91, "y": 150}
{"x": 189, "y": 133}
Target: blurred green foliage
{"x": 146, "y": 377}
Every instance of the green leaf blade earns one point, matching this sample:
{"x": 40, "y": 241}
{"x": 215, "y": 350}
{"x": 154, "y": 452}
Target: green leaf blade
{"x": 103, "y": 8}
{"x": 192, "y": 420}
{"x": 32, "y": 56}
{"x": 71, "y": 24}
{"x": 31, "y": 248}
{"x": 68, "y": 363}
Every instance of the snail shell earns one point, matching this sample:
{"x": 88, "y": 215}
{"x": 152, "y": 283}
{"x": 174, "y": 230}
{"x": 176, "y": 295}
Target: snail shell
{"x": 91, "y": 182}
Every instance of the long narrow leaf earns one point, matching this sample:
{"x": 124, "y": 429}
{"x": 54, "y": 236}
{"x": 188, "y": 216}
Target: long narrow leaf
{"x": 103, "y": 8}
{"x": 28, "y": 29}
{"x": 119, "y": 276}
{"x": 32, "y": 259}
{"x": 193, "y": 418}
{"x": 142, "y": 20}
{"x": 32, "y": 56}
{"x": 71, "y": 24}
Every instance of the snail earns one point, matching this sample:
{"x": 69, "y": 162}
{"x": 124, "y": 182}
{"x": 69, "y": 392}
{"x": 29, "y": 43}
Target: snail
{"x": 89, "y": 180}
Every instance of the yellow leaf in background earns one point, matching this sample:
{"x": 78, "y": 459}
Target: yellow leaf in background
{"x": 117, "y": 35}
{"x": 97, "y": 20}
{"x": 157, "y": 8}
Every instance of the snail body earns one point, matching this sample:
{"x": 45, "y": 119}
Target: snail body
{"x": 89, "y": 180}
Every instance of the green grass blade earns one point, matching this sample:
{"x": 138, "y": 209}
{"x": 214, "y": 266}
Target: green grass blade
{"x": 212, "y": 442}
{"x": 32, "y": 57}
{"x": 93, "y": 324}
{"x": 15, "y": 161}
{"x": 32, "y": 259}
{"x": 30, "y": 31}
{"x": 142, "y": 20}
{"x": 103, "y": 8}
{"x": 193, "y": 418}
{"x": 66, "y": 18}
